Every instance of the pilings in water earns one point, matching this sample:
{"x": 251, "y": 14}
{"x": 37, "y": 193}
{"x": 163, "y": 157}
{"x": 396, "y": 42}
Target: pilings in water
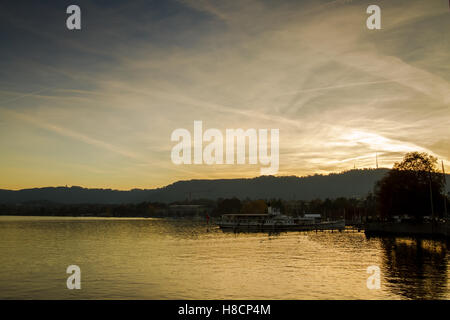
{"x": 427, "y": 229}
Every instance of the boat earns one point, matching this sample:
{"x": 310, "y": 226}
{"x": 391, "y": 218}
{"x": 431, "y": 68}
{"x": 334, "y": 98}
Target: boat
{"x": 273, "y": 220}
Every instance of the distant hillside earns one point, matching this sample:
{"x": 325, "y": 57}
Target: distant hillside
{"x": 347, "y": 184}
{"x": 352, "y": 183}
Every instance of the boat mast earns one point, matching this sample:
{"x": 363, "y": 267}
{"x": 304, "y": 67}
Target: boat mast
{"x": 431, "y": 197}
{"x": 445, "y": 190}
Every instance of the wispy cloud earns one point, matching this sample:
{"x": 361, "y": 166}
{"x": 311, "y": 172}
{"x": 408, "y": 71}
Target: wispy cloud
{"x": 69, "y": 133}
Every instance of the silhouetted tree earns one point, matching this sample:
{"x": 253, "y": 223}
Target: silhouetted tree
{"x": 413, "y": 187}
{"x": 226, "y": 206}
{"x": 257, "y": 206}
{"x": 277, "y": 203}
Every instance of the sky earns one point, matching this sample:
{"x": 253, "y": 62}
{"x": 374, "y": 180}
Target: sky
{"x": 96, "y": 107}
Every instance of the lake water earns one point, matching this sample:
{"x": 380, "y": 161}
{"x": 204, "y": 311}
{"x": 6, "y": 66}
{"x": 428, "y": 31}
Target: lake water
{"x": 179, "y": 259}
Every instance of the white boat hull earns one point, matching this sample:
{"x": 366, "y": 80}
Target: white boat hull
{"x": 257, "y": 226}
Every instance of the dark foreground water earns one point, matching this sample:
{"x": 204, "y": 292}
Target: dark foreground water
{"x": 174, "y": 259}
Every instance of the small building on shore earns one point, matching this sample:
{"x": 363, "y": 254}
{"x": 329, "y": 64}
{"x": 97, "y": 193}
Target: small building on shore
{"x": 313, "y": 216}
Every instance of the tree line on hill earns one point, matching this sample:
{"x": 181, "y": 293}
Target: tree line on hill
{"x": 350, "y": 208}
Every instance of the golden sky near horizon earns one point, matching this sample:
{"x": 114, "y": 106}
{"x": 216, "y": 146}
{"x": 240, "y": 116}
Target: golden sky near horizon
{"x": 96, "y": 107}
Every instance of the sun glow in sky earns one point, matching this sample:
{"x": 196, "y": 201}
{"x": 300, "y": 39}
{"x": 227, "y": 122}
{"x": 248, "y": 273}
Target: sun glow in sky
{"x": 97, "y": 107}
